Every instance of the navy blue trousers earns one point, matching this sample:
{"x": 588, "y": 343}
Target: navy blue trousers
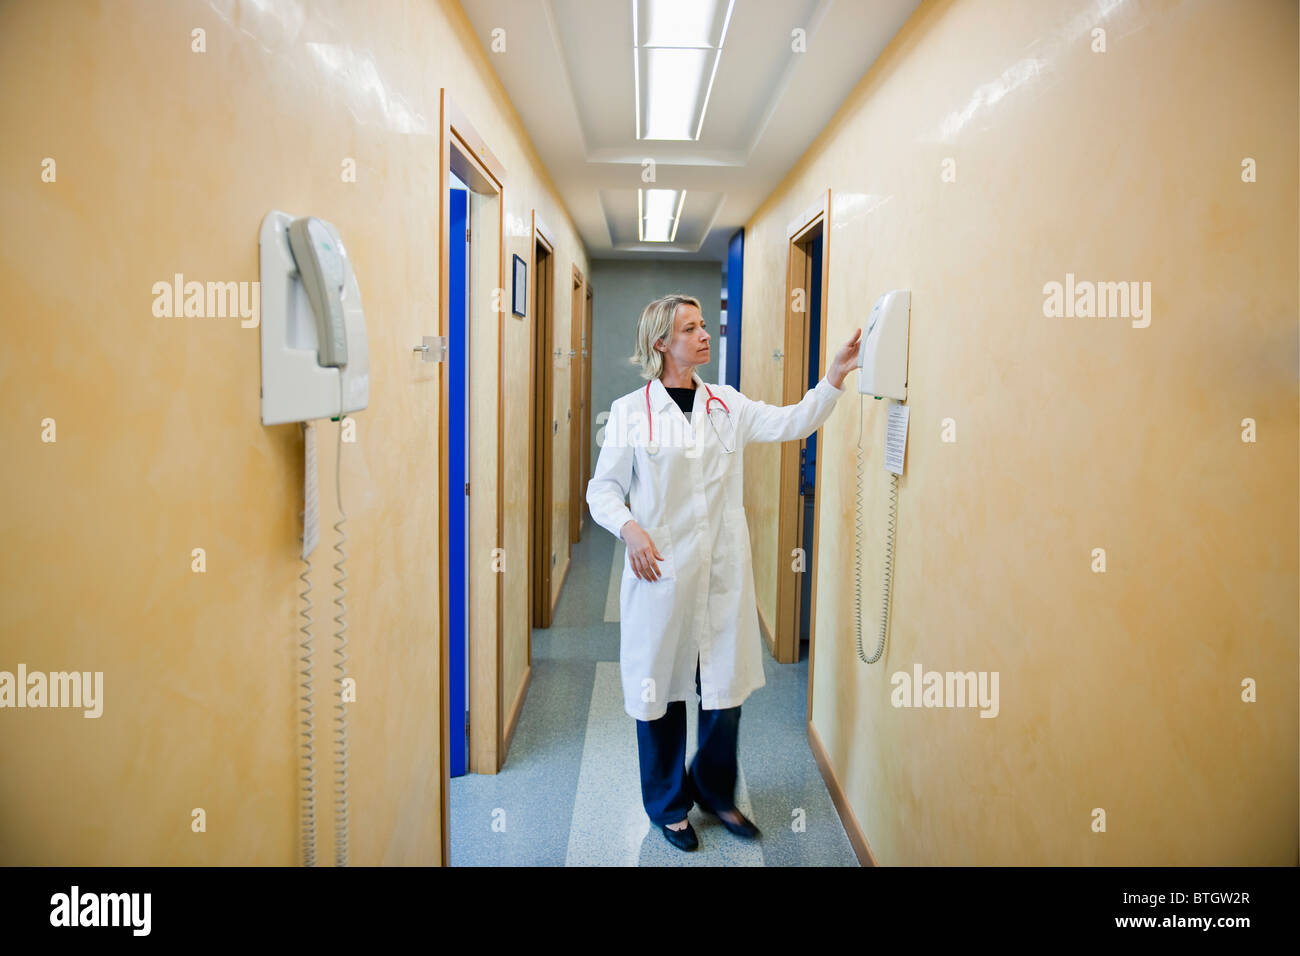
{"x": 668, "y": 788}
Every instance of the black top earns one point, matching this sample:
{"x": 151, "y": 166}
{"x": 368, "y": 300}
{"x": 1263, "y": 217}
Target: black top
{"x": 684, "y": 397}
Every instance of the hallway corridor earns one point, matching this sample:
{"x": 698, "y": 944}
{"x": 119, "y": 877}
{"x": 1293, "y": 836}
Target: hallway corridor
{"x": 405, "y": 396}
{"x": 569, "y": 794}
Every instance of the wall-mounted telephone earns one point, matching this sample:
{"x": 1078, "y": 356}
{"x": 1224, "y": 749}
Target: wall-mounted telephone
{"x": 882, "y": 364}
{"x": 882, "y": 357}
{"x": 315, "y": 364}
{"x": 315, "y": 358}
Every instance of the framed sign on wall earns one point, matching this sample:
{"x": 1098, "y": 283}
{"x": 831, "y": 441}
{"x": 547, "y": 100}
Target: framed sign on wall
{"x": 520, "y": 298}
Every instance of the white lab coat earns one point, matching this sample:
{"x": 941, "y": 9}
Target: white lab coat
{"x": 688, "y": 498}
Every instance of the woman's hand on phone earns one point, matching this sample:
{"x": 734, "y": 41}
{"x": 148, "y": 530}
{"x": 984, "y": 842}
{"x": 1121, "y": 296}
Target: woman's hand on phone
{"x": 641, "y": 552}
{"x": 846, "y": 359}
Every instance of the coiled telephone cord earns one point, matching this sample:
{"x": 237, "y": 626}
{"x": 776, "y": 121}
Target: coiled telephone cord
{"x": 340, "y": 665}
{"x": 887, "y": 587}
{"x": 308, "y": 723}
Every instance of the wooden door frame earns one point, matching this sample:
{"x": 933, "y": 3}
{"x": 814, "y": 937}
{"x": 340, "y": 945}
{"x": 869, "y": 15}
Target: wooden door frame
{"x": 585, "y": 425}
{"x": 577, "y": 305}
{"x": 798, "y": 264}
{"x": 458, "y": 134}
{"x": 539, "y": 482}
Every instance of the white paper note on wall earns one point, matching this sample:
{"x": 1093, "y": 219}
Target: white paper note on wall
{"x": 896, "y": 438}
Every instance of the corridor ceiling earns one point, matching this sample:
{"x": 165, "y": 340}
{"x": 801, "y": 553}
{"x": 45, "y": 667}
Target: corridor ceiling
{"x": 572, "y": 71}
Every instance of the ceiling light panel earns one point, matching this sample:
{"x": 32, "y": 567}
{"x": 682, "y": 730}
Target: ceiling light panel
{"x": 676, "y": 48}
{"x": 660, "y": 203}
{"x": 659, "y": 211}
{"x": 673, "y": 85}
{"x": 681, "y": 23}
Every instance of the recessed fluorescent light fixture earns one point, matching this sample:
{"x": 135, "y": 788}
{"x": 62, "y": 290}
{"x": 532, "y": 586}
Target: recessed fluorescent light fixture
{"x": 676, "y": 47}
{"x": 658, "y": 213}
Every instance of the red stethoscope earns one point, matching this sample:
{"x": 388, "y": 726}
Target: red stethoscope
{"x": 653, "y": 446}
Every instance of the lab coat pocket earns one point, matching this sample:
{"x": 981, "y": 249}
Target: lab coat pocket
{"x": 648, "y": 613}
{"x": 667, "y": 567}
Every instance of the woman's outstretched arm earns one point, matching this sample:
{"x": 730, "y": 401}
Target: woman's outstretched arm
{"x": 763, "y": 422}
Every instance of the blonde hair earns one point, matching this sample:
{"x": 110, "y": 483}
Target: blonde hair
{"x": 656, "y": 325}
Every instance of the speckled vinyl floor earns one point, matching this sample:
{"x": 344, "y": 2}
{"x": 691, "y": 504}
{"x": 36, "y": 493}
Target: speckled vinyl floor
{"x": 570, "y": 793}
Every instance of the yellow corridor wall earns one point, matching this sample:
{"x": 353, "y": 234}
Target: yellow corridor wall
{"x": 166, "y": 160}
{"x": 1119, "y": 691}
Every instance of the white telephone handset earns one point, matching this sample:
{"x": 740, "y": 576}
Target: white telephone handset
{"x": 320, "y": 260}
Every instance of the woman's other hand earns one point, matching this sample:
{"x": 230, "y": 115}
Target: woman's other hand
{"x": 845, "y": 360}
{"x": 641, "y": 551}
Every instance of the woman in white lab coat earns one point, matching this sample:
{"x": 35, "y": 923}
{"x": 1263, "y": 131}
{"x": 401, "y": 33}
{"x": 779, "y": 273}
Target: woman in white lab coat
{"x": 689, "y": 622}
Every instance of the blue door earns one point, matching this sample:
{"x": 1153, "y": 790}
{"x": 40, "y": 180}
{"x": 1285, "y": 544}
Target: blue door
{"x": 458, "y": 501}
{"x": 809, "y": 469}
{"x": 735, "y": 288}
{"x": 808, "y": 457}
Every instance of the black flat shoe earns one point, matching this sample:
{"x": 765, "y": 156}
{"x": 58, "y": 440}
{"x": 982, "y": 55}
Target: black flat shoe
{"x": 683, "y": 839}
{"x": 745, "y": 828}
